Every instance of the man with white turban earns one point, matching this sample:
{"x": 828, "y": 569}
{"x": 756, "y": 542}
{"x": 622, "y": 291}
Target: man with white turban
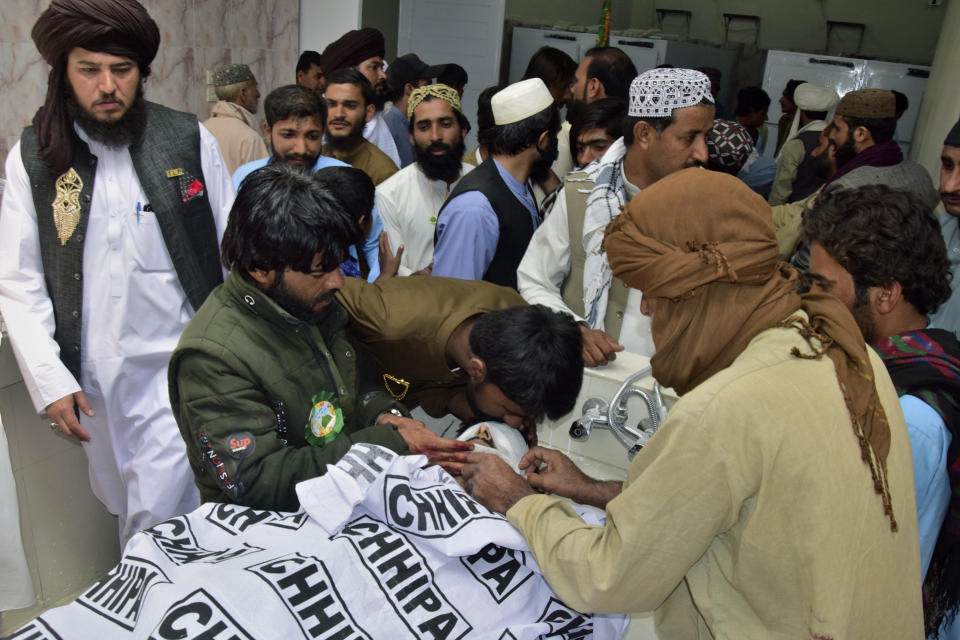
{"x": 796, "y": 174}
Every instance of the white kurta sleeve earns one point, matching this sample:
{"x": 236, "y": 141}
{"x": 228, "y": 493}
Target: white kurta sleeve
{"x": 546, "y": 263}
{"x": 219, "y": 186}
{"x": 389, "y": 216}
{"x": 24, "y": 302}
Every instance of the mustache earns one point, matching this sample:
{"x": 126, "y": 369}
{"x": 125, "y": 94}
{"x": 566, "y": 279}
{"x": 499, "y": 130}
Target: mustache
{"x": 438, "y": 146}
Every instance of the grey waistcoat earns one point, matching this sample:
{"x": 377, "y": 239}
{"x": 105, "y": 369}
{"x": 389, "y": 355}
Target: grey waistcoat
{"x": 170, "y": 141}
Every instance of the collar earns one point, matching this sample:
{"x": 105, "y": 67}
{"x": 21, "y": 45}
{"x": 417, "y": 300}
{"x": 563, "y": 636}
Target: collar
{"x": 248, "y": 296}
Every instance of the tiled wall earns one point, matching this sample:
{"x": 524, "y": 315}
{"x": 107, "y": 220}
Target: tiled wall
{"x": 195, "y": 35}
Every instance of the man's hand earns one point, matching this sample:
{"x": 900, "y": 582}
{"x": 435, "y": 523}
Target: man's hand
{"x": 493, "y": 483}
{"x": 63, "y": 414}
{"x": 449, "y": 454}
{"x": 550, "y": 471}
{"x": 598, "y": 347}
{"x": 389, "y": 263}
{"x": 427, "y": 270}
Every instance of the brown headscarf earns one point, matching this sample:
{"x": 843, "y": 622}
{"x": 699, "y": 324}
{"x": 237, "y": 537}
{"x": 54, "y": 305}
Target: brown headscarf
{"x": 352, "y": 48}
{"x": 118, "y": 27}
{"x": 703, "y": 244}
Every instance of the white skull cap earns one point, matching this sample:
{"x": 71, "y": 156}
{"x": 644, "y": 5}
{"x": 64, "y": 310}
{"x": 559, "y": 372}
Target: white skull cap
{"x": 520, "y": 100}
{"x": 657, "y": 92}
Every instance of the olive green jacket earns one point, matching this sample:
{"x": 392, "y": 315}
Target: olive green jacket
{"x": 244, "y": 383}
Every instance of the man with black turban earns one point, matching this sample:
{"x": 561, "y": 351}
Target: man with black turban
{"x": 776, "y": 500}
{"x": 109, "y": 236}
{"x": 363, "y": 50}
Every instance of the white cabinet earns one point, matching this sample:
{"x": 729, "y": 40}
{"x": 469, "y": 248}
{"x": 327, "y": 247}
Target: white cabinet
{"x": 844, "y": 75}
{"x": 646, "y": 53}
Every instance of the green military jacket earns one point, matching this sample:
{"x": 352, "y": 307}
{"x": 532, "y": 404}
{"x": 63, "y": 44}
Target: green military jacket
{"x": 247, "y": 380}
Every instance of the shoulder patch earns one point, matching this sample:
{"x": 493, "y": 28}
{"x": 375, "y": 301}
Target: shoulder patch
{"x": 240, "y": 444}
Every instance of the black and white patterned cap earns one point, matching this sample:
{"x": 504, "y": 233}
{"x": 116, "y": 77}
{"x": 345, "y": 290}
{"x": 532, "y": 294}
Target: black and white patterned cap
{"x": 657, "y": 92}
{"x": 728, "y": 145}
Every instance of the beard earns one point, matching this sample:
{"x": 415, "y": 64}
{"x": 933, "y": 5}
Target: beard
{"x": 846, "y": 151}
{"x": 295, "y": 306}
{"x": 346, "y": 141}
{"x": 824, "y": 165}
{"x": 294, "y": 160}
{"x": 863, "y": 314}
{"x": 444, "y": 167}
{"x": 541, "y": 168}
{"x": 114, "y": 134}
{"x": 381, "y": 92}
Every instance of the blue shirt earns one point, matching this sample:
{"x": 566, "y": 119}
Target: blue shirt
{"x": 399, "y": 128}
{"x": 371, "y": 246}
{"x": 468, "y": 231}
{"x": 929, "y": 440}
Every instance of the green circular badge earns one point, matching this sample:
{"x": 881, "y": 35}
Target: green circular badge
{"x": 325, "y": 421}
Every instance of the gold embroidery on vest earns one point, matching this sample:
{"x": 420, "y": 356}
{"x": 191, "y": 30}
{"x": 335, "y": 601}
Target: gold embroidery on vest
{"x": 66, "y": 206}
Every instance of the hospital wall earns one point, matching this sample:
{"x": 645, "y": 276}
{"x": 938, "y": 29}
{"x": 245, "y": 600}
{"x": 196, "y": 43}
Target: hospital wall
{"x": 195, "y": 36}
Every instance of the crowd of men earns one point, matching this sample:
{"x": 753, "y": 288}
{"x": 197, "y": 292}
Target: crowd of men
{"x": 218, "y": 311}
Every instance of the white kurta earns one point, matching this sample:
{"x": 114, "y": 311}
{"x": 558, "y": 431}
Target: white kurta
{"x": 408, "y": 203}
{"x": 134, "y": 310}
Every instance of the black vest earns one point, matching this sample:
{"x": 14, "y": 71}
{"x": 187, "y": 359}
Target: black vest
{"x": 170, "y": 141}
{"x": 516, "y": 226}
{"x": 806, "y": 181}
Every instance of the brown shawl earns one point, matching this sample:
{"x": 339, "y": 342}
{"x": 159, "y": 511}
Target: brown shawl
{"x": 703, "y": 245}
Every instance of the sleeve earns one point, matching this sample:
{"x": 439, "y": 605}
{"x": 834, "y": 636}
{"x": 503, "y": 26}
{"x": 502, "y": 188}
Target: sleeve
{"x": 219, "y": 186}
{"x": 387, "y": 210}
{"x": 24, "y": 302}
{"x": 790, "y": 158}
{"x": 371, "y": 246}
{"x": 929, "y": 440}
{"x": 467, "y": 236}
{"x": 216, "y": 404}
{"x": 546, "y": 263}
{"x": 787, "y": 223}
{"x": 682, "y": 491}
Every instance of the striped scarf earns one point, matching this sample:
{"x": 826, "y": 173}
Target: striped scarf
{"x": 926, "y": 364}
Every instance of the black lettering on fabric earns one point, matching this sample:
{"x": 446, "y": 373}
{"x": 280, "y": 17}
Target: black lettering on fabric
{"x": 235, "y": 519}
{"x": 507, "y": 635}
{"x": 304, "y": 585}
{"x": 198, "y": 616}
{"x": 363, "y": 461}
{"x": 435, "y": 511}
{"x": 565, "y": 622}
{"x": 119, "y": 596}
{"x": 176, "y": 540}
{"x": 36, "y": 629}
{"x": 406, "y": 580}
{"x": 499, "y": 569}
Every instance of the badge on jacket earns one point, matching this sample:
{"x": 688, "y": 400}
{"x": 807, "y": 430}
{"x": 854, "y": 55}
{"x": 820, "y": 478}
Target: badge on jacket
{"x": 325, "y": 421}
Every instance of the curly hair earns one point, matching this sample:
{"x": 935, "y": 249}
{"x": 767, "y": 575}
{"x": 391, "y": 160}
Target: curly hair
{"x": 881, "y": 235}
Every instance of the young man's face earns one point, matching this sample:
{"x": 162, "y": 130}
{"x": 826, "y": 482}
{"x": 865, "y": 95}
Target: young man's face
{"x": 487, "y": 400}
{"x": 578, "y": 91}
{"x": 346, "y": 111}
{"x": 306, "y": 296}
{"x": 950, "y": 179}
{"x": 296, "y": 141}
{"x": 828, "y": 276}
{"x": 104, "y": 85}
{"x": 436, "y": 128}
{"x": 592, "y": 144}
{"x": 312, "y": 78}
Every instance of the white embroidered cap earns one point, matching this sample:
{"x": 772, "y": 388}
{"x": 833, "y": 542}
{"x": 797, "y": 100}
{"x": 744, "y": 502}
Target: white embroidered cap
{"x": 657, "y": 92}
{"x": 520, "y": 100}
